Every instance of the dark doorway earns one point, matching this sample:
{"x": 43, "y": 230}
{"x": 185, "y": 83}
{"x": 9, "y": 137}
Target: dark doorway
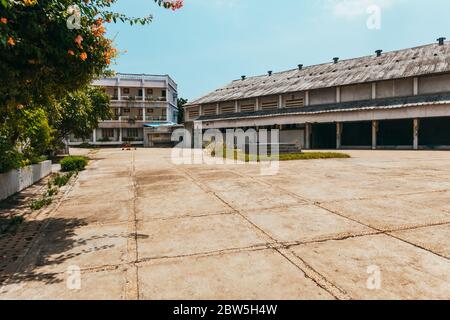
{"x": 434, "y": 132}
{"x": 357, "y": 134}
{"x": 395, "y": 133}
{"x": 323, "y": 136}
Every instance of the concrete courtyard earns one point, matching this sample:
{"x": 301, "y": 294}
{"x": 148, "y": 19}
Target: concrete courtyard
{"x": 376, "y": 226}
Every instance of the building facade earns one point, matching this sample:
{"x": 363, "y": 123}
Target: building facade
{"x": 392, "y": 100}
{"x": 140, "y": 103}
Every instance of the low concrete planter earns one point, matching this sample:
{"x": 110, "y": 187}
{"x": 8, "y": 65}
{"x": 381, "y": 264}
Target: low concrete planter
{"x": 16, "y": 180}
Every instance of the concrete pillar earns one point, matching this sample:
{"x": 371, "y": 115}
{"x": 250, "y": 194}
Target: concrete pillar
{"x": 338, "y": 94}
{"x": 416, "y": 86}
{"x": 144, "y": 118}
{"x": 119, "y": 93}
{"x": 307, "y": 136}
{"x": 119, "y": 110}
{"x": 218, "y": 108}
{"x": 374, "y": 134}
{"x": 257, "y": 104}
{"x": 374, "y": 90}
{"x": 236, "y": 106}
{"x": 143, "y": 94}
{"x": 94, "y": 136}
{"x": 306, "y": 98}
{"x": 120, "y": 135}
{"x": 416, "y": 134}
{"x": 280, "y": 101}
{"x": 338, "y": 135}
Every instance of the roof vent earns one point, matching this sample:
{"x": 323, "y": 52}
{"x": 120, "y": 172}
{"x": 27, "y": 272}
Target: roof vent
{"x": 336, "y": 59}
{"x": 441, "y": 41}
{"x": 300, "y": 67}
{"x": 243, "y": 78}
{"x": 379, "y": 52}
{"x": 269, "y": 73}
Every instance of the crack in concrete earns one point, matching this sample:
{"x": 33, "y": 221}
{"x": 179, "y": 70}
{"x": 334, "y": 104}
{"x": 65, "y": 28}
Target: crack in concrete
{"x": 131, "y": 273}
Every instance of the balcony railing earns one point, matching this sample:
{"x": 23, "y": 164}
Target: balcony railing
{"x": 156, "y": 118}
{"x": 139, "y": 98}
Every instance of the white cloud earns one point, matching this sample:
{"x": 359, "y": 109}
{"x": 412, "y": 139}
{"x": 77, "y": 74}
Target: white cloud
{"x": 354, "y": 8}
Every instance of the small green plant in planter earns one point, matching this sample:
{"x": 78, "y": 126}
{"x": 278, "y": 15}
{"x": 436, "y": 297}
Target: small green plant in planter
{"x": 52, "y": 191}
{"x": 73, "y": 163}
{"x": 39, "y": 204}
{"x": 61, "y": 180}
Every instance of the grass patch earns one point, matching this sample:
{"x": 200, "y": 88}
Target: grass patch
{"x": 239, "y": 155}
{"x": 73, "y": 163}
{"x": 52, "y": 191}
{"x": 10, "y": 225}
{"x": 313, "y": 155}
{"x": 62, "y": 180}
{"x": 39, "y": 204}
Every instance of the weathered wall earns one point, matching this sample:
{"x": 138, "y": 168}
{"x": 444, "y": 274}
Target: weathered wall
{"x": 395, "y": 88}
{"x": 356, "y": 92}
{"x": 434, "y": 84}
{"x": 16, "y": 180}
{"x": 322, "y": 96}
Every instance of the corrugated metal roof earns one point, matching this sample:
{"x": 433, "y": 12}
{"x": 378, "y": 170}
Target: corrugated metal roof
{"x": 411, "y": 62}
{"x": 388, "y": 103}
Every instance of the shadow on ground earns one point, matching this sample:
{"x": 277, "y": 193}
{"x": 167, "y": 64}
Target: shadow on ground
{"x": 24, "y": 252}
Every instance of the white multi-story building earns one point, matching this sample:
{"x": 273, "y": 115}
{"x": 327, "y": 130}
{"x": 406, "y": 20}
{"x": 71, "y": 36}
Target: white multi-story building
{"x": 138, "y": 102}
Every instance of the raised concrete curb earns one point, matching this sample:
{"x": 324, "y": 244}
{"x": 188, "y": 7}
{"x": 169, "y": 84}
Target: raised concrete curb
{"x": 16, "y": 180}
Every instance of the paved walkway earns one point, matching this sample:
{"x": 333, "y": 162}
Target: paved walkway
{"x": 139, "y": 227}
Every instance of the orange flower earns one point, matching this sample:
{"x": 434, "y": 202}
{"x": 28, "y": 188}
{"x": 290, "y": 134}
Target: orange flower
{"x": 11, "y": 41}
{"x": 83, "y": 56}
{"x": 4, "y": 20}
{"x": 70, "y": 52}
{"x": 78, "y": 40}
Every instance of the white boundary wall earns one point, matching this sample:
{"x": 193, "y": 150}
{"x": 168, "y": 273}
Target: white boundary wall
{"x": 16, "y": 180}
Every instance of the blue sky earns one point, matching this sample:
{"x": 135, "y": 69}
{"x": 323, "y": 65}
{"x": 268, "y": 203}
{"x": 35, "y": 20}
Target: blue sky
{"x": 208, "y": 43}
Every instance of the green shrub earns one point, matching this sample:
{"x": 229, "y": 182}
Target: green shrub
{"x": 73, "y": 163}
{"x": 38, "y": 204}
{"x": 10, "y": 157}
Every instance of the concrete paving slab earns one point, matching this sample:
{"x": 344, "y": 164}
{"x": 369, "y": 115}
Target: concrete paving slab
{"x": 160, "y": 179}
{"x": 98, "y": 212}
{"x": 326, "y": 190}
{"x": 172, "y": 205}
{"x": 304, "y": 223}
{"x": 407, "y": 272}
{"x": 69, "y": 244}
{"x": 388, "y": 213}
{"x": 432, "y": 200}
{"x": 188, "y": 236}
{"x": 93, "y": 286}
{"x": 434, "y": 238}
{"x": 164, "y": 189}
{"x": 247, "y": 195}
{"x": 254, "y": 275}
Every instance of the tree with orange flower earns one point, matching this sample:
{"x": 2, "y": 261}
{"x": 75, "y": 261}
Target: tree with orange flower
{"x": 51, "y": 49}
